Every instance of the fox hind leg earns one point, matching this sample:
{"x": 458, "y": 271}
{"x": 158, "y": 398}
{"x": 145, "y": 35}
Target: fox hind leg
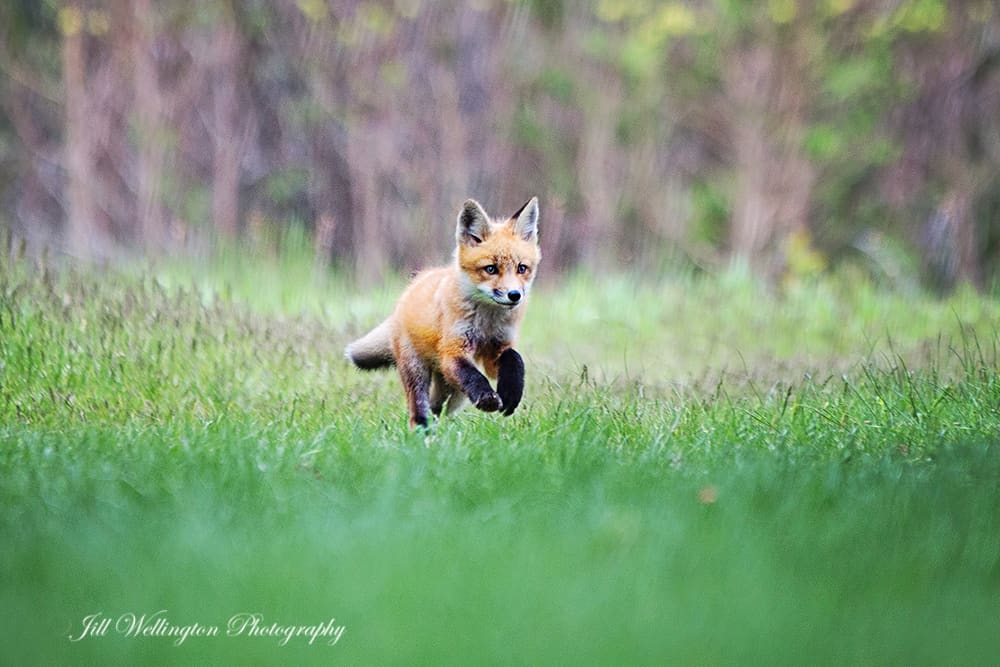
{"x": 416, "y": 377}
{"x": 444, "y": 397}
{"x": 441, "y": 392}
{"x": 456, "y": 401}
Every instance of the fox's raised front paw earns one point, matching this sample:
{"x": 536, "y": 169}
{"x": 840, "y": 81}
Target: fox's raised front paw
{"x": 510, "y": 380}
{"x": 489, "y": 402}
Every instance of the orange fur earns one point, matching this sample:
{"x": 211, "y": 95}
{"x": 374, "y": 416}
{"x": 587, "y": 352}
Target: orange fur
{"x": 469, "y": 312}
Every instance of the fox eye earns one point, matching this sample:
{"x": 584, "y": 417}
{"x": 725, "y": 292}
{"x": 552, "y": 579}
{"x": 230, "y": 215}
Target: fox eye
{"x": 491, "y": 269}
{"x": 522, "y": 268}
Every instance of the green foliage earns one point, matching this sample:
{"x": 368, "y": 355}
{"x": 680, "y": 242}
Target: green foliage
{"x": 284, "y": 185}
{"x": 23, "y": 21}
{"x": 824, "y": 142}
{"x": 711, "y": 212}
{"x": 549, "y": 12}
{"x": 922, "y": 15}
{"x": 558, "y": 85}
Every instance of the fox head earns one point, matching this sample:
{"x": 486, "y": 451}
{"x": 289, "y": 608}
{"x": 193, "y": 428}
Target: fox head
{"x": 498, "y": 259}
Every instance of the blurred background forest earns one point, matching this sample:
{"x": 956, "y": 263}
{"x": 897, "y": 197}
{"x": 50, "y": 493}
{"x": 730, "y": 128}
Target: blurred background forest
{"x": 793, "y": 137}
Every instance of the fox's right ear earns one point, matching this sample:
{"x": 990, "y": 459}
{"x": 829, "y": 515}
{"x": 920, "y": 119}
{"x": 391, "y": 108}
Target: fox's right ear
{"x": 473, "y": 224}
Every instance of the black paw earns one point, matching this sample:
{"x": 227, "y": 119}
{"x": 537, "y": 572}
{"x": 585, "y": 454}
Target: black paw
{"x": 489, "y": 402}
{"x": 510, "y": 396}
{"x": 510, "y": 382}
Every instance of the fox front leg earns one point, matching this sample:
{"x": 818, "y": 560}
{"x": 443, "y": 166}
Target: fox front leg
{"x": 510, "y": 379}
{"x": 476, "y": 386}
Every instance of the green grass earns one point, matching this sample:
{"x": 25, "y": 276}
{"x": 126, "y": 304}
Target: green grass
{"x": 702, "y": 472}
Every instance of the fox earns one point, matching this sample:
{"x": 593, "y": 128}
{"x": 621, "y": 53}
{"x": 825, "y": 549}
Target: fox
{"x": 454, "y": 327}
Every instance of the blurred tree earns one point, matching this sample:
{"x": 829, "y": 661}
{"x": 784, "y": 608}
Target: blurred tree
{"x": 83, "y": 233}
{"x": 31, "y": 190}
{"x": 230, "y": 117}
{"x": 147, "y": 124}
{"x": 951, "y": 134}
{"x": 786, "y": 134}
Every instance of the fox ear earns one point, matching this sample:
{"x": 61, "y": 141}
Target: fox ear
{"x": 526, "y": 220}
{"x": 473, "y": 223}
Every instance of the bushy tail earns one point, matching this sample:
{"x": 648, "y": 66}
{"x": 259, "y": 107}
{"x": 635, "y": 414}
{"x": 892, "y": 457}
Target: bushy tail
{"x": 374, "y": 349}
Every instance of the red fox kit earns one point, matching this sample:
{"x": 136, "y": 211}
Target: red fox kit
{"x": 455, "y": 322}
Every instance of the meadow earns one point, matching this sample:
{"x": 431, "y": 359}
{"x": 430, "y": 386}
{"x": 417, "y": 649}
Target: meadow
{"x": 703, "y": 471}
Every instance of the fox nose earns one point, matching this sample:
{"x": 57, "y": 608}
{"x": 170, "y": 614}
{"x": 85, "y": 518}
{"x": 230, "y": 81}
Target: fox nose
{"x": 514, "y": 295}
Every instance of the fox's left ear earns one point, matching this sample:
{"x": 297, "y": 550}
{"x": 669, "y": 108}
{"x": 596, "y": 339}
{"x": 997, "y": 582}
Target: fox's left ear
{"x": 526, "y": 220}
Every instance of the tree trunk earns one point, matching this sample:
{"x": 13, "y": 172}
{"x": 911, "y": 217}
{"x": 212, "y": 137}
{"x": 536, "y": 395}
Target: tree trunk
{"x": 227, "y": 128}
{"x": 774, "y": 179}
{"x": 369, "y": 239}
{"x": 81, "y": 229}
{"x": 149, "y": 160}
{"x": 951, "y": 248}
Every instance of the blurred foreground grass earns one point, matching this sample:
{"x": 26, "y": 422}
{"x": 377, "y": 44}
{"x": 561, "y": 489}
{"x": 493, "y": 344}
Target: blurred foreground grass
{"x": 702, "y": 472}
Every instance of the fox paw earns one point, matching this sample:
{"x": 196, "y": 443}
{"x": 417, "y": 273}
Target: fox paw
{"x": 489, "y": 402}
{"x": 510, "y": 393}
